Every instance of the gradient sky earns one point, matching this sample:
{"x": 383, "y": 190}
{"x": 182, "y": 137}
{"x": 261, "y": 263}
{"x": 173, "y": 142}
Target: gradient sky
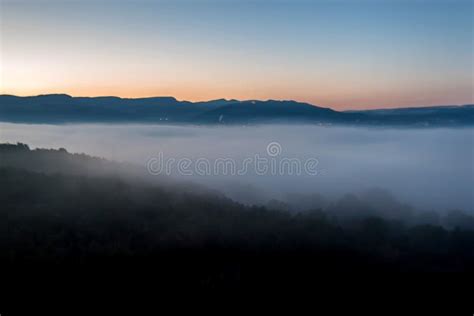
{"x": 342, "y": 54}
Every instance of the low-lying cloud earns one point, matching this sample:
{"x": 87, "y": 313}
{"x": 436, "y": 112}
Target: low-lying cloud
{"x": 428, "y": 168}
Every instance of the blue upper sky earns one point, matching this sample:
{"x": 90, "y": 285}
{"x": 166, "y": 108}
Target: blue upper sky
{"x": 343, "y": 54}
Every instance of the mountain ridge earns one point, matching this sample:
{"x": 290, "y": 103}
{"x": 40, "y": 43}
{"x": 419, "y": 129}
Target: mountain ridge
{"x": 63, "y": 108}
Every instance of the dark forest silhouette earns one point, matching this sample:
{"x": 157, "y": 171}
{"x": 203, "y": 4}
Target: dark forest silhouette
{"x": 71, "y": 229}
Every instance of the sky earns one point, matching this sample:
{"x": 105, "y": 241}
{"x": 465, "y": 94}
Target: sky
{"x": 341, "y": 54}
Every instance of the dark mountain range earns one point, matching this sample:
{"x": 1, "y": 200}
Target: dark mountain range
{"x": 62, "y": 108}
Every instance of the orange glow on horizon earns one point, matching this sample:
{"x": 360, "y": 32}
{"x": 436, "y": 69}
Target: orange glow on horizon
{"x": 342, "y": 57}
{"x": 194, "y": 94}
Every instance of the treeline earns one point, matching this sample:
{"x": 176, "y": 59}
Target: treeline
{"x": 56, "y": 218}
{"x": 84, "y": 227}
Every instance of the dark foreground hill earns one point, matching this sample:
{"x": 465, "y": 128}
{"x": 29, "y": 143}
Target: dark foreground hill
{"x": 65, "y": 234}
{"x": 63, "y": 108}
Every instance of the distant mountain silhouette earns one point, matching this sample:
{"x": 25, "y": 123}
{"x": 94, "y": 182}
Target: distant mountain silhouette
{"x": 62, "y": 108}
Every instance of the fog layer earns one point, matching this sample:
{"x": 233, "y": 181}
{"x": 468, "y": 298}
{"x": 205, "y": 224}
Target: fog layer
{"x": 429, "y": 168}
